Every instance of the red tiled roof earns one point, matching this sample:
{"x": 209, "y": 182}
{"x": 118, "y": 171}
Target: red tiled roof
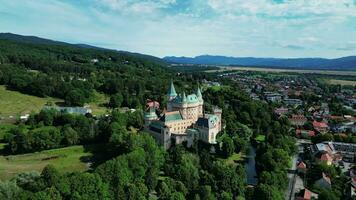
{"x": 302, "y": 165}
{"x": 152, "y": 104}
{"x": 311, "y": 133}
{"x": 326, "y": 157}
{"x": 320, "y": 124}
{"x": 307, "y": 194}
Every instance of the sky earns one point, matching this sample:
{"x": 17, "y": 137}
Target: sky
{"x": 256, "y": 28}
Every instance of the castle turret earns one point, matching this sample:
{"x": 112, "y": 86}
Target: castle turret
{"x": 184, "y": 98}
{"x": 199, "y": 95}
{"x": 171, "y": 92}
{"x": 150, "y": 116}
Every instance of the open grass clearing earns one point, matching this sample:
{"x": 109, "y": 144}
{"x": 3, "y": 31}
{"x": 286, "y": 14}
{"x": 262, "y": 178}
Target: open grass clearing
{"x": 98, "y": 105}
{"x": 66, "y": 159}
{"x": 13, "y": 103}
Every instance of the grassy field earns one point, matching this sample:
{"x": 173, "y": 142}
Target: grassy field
{"x": 66, "y": 159}
{"x": 14, "y": 103}
{"x": 341, "y": 82}
{"x": 236, "y": 157}
{"x": 260, "y": 138}
{"x": 328, "y": 72}
{"x": 98, "y": 105}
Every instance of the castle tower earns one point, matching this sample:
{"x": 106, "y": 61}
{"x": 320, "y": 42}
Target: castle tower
{"x": 201, "y": 101}
{"x": 150, "y": 116}
{"x": 172, "y": 94}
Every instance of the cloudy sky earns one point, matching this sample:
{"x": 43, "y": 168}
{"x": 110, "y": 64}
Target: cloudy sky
{"x": 259, "y": 28}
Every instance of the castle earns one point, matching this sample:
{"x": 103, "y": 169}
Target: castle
{"x": 183, "y": 120}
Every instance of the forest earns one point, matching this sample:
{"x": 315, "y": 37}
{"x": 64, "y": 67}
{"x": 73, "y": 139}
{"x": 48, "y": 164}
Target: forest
{"x": 134, "y": 167}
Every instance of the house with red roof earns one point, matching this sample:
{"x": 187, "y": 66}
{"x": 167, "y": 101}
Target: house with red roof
{"x": 298, "y": 120}
{"x": 306, "y": 134}
{"x": 323, "y": 182}
{"x": 301, "y": 167}
{"x": 304, "y": 194}
{"x": 321, "y": 127}
{"x": 326, "y": 158}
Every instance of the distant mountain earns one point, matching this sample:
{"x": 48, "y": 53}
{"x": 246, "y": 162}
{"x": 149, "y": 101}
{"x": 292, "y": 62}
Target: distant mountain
{"x": 344, "y": 63}
{"x": 38, "y": 40}
{"x": 29, "y": 39}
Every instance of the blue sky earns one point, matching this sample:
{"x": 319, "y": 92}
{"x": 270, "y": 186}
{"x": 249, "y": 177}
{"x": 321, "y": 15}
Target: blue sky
{"x": 259, "y": 28}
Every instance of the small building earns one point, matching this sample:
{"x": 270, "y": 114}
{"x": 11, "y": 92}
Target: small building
{"x": 273, "y": 97}
{"x": 281, "y": 111}
{"x": 293, "y": 102}
{"x": 304, "y": 194}
{"x": 152, "y": 104}
{"x": 324, "y": 182}
{"x": 298, "y": 120}
{"x": 71, "y": 110}
{"x": 301, "y": 167}
{"x": 326, "y": 158}
{"x": 321, "y": 127}
{"x": 306, "y": 134}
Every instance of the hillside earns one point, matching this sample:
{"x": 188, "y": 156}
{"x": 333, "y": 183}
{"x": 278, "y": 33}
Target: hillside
{"x": 76, "y": 73}
{"x": 344, "y": 63}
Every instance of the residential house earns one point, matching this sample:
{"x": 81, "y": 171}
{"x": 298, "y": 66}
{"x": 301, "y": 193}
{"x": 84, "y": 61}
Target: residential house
{"x": 323, "y": 182}
{"x": 306, "y": 134}
{"x": 293, "y": 102}
{"x": 281, "y": 111}
{"x": 304, "y": 194}
{"x": 326, "y": 158}
{"x": 321, "y": 127}
{"x": 273, "y": 97}
{"x": 301, "y": 167}
{"x": 298, "y": 120}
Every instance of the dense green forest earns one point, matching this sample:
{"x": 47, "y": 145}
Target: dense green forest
{"x": 134, "y": 167}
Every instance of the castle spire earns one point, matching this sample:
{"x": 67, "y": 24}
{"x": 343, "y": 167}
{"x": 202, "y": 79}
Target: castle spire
{"x": 199, "y": 95}
{"x": 171, "y": 91}
{"x": 184, "y": 98}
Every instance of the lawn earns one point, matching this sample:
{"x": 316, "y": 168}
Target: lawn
{"x": 234, "y": 158}
{"x": 13, "y": 103}
{"x": 98, "y": 105}
{"x": 260, "y": 138}
{"x": 66, "y": 159}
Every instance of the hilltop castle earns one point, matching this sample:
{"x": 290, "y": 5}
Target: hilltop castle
{"x": 183, "y": 120}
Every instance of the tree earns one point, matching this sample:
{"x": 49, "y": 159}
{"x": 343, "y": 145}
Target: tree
{"x": 70, "y": 136}
{"x": 9, "y": 190}
{"x": 75, "y": 97}
{"x": 205, "y": 193}
{"x": 267, "y": 192}
{"x": 327, "y": 195}
{"x": 116, "y": 100}
{"x": 228, "y": 147}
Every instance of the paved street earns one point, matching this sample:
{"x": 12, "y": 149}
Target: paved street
{"x": 293, "y": 179}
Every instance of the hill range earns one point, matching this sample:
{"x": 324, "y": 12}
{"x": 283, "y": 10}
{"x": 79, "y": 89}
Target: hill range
{"x": 344, "y": 63}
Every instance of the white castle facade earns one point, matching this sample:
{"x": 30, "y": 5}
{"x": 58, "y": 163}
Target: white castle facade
{"x": 183, "y": 120}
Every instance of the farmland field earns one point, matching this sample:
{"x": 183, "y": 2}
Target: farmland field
{"x": 341, "y": 82}
{"x": 66, "y": 159}
{"x": 260, "y": 69}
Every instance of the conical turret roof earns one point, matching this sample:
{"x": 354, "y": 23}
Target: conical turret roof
{"x": 172, "y": 91}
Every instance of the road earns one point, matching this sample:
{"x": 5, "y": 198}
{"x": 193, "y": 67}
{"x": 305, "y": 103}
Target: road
{"x": 292, "y": 172}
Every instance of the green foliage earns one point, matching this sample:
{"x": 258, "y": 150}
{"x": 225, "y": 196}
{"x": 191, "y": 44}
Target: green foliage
{"x": 228, "y": 147}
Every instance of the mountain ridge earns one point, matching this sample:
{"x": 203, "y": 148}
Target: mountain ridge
{"x": 343, "y": 63}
